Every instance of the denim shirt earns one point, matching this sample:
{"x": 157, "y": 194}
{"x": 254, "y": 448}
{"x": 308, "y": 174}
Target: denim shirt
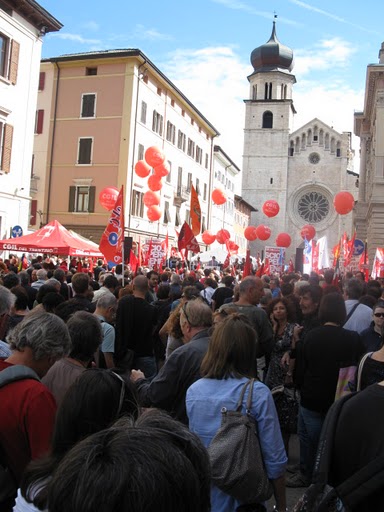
{"x": 204, "y": 401}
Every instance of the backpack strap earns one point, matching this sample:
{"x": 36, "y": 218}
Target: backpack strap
{"x": 360, "y": 370}
{"x": 353, "y": 309}
{"x": 239, "y": 404}
{"x": 17, "y": 372}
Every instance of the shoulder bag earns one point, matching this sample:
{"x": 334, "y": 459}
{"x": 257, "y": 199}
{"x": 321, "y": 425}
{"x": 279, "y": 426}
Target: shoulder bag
{"x": 236, "y": 459}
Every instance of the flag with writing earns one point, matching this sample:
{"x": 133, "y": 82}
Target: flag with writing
{"x": 112, "y": 240}
{"x": 186, "y": 239}
{"x": 195, "y": 212}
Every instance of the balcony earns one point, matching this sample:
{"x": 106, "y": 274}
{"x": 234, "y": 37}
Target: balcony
{"x": 181, "y": 195}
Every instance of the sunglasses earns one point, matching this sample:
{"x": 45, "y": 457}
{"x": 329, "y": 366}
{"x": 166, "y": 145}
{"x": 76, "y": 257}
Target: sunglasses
{"x": 379, "y": 315}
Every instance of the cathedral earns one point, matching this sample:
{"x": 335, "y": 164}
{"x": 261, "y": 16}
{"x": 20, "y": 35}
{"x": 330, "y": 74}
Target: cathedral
{"x": 301, "y": 169}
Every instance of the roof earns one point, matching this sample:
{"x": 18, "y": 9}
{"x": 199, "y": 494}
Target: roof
{"x": 35, "y": 14}
{"x": 252, "y": 208}
{"x": 130, "y": 52}
{"x": 218, "y": 149}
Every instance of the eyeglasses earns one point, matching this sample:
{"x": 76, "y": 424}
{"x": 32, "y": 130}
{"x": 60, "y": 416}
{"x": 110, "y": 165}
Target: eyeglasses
{"x": 122, "y": 392}
{"x": 379, "y": 315}
{"x": 184, "y": 310}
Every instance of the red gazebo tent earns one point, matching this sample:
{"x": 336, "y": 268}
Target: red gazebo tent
{"x": 53, "y": 238}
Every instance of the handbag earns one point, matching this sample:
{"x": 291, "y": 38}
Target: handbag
{"x": 237, "y": 466}
{"x": 287, "y": 401}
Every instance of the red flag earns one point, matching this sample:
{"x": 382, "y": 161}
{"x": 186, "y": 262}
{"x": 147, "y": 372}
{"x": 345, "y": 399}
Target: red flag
{"x": 226, "y": 261}
{"x": 133, "y": 261}
{"x": 260, "y": 270}
{"x": 111, "y": 243}
{"x": 139, "y": 254}
{"x": 186, "y": 239}
{"x": 195, "y": 212}
{"x": 247, "y": 264}
{"x": 351, "y": 248}
{"x": 267, "y": 268}
{"x": 147, "y": 255}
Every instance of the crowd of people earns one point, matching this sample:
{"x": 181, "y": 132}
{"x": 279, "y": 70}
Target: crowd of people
{"x": 112, "y": 382}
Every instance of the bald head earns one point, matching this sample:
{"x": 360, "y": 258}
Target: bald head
{"x": 251, "y": 289}
{"x": 140, "y": 286}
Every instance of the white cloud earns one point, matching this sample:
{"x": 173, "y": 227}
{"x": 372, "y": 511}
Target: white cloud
{"x": 91, "y": 25}
{"x": 151, "y": 34}
{"x": 237, "y": 5}
{"x": 327, "y": 54}
{"x": 75, "y": 37}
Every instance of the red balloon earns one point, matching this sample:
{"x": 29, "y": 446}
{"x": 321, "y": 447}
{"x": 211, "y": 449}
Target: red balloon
{"x": 151, "y": 199}
{"x": 263, "y": 232}
{"x": 162, "y": 170}
{"x": 344, "y": 202}
{"x": 271, "y": 208}
{"x": 208, "y": 237}
{"x": 108, "y": 197}
{"x": 232, "y": 246}
{"x": 154, "y": 213}
{"x": 250, "y": 233}
{"x": 142, "y": 169}
{"x": 308, "y": 232}
{"x": 283, "y": 240}
{"x": 154, "y": 183}
{"x": 154, "y": 156}
{"x": 218, "y": 196}
{"x": 222, "y": 236}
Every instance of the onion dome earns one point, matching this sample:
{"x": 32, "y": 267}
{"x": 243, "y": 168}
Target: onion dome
{"x": 272, "y": 55}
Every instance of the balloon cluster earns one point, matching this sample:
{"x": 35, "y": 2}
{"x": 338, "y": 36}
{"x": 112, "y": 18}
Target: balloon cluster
{"x": 154, "y": 159}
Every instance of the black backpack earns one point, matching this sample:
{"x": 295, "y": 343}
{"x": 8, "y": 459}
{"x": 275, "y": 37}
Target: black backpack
{"x": 8, "y": 486}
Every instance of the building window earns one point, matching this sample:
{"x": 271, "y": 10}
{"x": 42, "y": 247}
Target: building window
{"x": 159, "y": 91}
{"x": 199, "y": 155}
{"x": 314, "y": 158}
{"x": 6, "y": 136}
{"x": 9, "y": 58}
{"x": 191, "y": 148}
{"x": 205, "y": 192}
{"x": 167, "y": 216}
{"x": 254, "y": 92}
{"x": 181, "y": 140}
{"x": 41, "y": 80}
{"x": 88, "y": 104}
{"x": 171, "y": 132}
{"x": 84, "y": 156}
{"x": 157, "y": 123}
{"x": 140, "y": 152}
{"x": 177, "y": 217}
{"x": 168, "y": 178}
{"x": 189, "y": 182}
{"x": 91, "y": 71}
{"x": 179, "y": 180}
{"x": 39, "y": 121}
{"x": 268, "y": 91}
{"x": 268, "y": 119}
{"x": 187, "y": 216}
{"x": 206, "y": 160}
{"x": 143, "y": 114}
{"x": 137, "y": 206}
{"x": 313, "y": 207}
{"x": 33, "y": 212}
{"x": 197, "y": 186}
{"x": 82, "y": 199}
{"x": 203, "y": 224}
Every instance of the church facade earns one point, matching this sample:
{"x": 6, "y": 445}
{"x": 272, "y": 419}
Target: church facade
{"x": 303, "y": 169}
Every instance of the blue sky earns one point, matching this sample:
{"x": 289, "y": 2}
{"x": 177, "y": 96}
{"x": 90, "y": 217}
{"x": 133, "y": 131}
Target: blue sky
{"x": 204, "y": 48}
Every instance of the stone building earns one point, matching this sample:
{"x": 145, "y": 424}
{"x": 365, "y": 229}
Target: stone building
{"x": 301, "y": 169}
{"x": 369, "y": 126}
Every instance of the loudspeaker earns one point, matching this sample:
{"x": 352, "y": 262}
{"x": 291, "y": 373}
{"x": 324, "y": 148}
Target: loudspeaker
{"x": 127, "y": 248}
{"x": 299, "y": 260}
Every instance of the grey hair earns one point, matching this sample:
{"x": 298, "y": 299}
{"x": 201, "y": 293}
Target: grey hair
{"x": 247, "y": 283}
{"x": 44, "y": 333}
{"x": 53, "y": 281}
{"x": 197, "y": 313}
{"x": 24, "y": 277}
{"x": 106, "y": 301}
{"x": 7, "y": 300}
{"x": 41, "y": 273}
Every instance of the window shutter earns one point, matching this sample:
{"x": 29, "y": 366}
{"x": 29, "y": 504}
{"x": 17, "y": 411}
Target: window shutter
{"x": 39, "y": 121}
{"x": 88, "y": 107}
{"x": 15, "y": 50}
{"x": 32, "y": 216}
{"x": 85, "y": 147}
{"x": 72, "y": 196}
{"x": 7, "y": 148}
{"x": 91, "y": 200}
{"x": 41, "y": 80}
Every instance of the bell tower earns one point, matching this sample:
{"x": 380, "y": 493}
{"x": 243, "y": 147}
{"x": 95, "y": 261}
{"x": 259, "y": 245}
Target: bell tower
{"x": 269, "y": 115}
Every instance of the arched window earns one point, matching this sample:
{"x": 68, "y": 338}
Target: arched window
{"x": 266, "y": 91}
{"x": 315, "y": 134}
{"x": 338, "y": 149}
{"x": 303, "y": 141}
{"x": 321, "y": 137}
{"x": 291, "y": 148}
{"x": 270, "y": 91}
{"x": 254, "y": 92}
{"x": 326, "y": 145}
{"x": 285, "y": 91}
{"x": 309, "y": 137}
{"x": 267, "y": 119}
{"x": 282, "y": 91}
{"x": 297, "y": 145}
{"x": 333, "y": 145}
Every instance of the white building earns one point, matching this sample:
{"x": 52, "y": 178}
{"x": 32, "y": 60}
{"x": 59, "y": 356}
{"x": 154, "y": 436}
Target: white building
{"x": 303, "y": 169}
{"x": 22, "y": 25}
